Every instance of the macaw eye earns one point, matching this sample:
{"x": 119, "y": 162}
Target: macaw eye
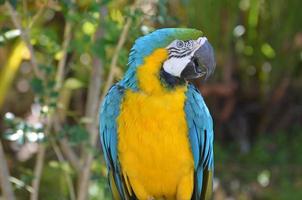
{"x": 190, "y": 44}
{"x": 180, "y": 44}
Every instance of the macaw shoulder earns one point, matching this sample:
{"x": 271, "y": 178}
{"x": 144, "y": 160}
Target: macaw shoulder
{"x": 197, "y": 109}
{"x": 109, "y": 112}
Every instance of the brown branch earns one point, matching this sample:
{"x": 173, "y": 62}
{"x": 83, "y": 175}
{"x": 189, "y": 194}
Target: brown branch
{"x": 93, "y": 103}
{"x": 24, "y": 35}
{"x": 92, "y": 107}
{"x": 220, "y": 90}
{"x": 67, "y": 150}
{"x": 41, "y": 152}
{"x": 65, "y": 45}
{"x": 225, "y": 90}
{"x": 67, "y": 176}
{"x": 38, "y": 15}
{"x": 113, "y": 67}
{"x": 92, "y": 113}
{"x": 6, "y": 186}
{"x": 70, "y": 155}
{"x": 38, "y": 172}
{"x": 62, "y": 62}
{"x": 59, "y": 79}
{"x": 269, "y": 111}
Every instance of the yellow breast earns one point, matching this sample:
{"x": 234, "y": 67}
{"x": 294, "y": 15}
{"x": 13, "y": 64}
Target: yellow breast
{"x": 153, "y": 145}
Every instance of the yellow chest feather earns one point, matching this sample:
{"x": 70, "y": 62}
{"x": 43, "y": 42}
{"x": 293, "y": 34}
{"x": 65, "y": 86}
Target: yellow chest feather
{"x": 153, "y": 145}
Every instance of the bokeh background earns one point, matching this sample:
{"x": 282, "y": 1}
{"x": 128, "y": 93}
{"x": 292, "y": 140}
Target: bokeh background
{"x": 58, "y": 59}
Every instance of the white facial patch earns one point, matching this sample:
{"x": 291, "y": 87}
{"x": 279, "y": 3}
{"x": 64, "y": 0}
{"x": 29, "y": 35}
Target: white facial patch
{"x": 174, "y": 66}
{"x": 180, "y": 54}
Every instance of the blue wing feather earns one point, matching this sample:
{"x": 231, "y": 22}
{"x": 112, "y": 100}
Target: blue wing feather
{"x": 108, "y": 133}
{"x": 200, "y": 127}
{"x": 108, "y": 114}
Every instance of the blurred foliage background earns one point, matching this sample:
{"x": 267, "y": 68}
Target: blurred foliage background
{"x": 58, "y": 59}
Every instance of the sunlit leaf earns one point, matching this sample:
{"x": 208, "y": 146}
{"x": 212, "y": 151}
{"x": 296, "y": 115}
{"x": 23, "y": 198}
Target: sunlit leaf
{"x": 9, "y": 34}
{"x": 73, "y": 84}
{"x": 9, "y": 70}
{"x": 88, "y": 28}
{"x": 268, "y": 51}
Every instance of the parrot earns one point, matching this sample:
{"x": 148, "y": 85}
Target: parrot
{"x": 155, "y": 129}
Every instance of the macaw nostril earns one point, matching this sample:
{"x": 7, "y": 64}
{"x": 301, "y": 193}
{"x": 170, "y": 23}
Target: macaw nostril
{"x": 198, "y": 69}
{"x": 197, "y": 66}
{"x": 195, "y": 61}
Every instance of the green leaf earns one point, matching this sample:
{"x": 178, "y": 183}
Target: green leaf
{"x": 105, "y": 2}
{"x": 13, "y": 3}
{"x": 37, "y": 85}
{"x": 53, "y": 105}
{"x": 75, "y": 133}
{"x": 51, "y": 84}
{"x": 48, "y": 69}
{"x": 67, "y": 5}
{"x": 73, "y": 84}
{"x": 54, "y": 94}
{"x": 98, "y": 48}
{"x": 268, "y": 50}
{"x": 86, "y": 120}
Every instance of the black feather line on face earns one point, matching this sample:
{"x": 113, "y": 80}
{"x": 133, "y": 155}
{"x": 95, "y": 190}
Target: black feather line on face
{"x": 179, "y": 52}
{"x": 173, "y": 49}
{"x": 179, "y": 56}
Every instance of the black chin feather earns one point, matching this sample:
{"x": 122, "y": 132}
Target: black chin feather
{"x": 169, "y": 80}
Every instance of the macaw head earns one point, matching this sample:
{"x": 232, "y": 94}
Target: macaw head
{"x": 190, "y": 59}
{"x": 189, "y": 54}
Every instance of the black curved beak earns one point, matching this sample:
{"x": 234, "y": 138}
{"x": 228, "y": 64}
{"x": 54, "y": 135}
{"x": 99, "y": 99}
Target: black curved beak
{"x": 202, "y": 63}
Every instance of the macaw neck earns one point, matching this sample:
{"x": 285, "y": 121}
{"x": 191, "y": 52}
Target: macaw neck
{"x": 170, "y": 81}
{"x": 150, "y": 78}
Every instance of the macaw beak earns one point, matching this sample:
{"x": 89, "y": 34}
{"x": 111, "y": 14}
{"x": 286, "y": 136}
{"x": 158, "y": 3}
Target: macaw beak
{"x": 202, "y": 63}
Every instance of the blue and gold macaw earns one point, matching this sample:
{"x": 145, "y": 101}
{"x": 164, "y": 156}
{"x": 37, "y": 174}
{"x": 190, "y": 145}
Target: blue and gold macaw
{"x": 156, "y": 130}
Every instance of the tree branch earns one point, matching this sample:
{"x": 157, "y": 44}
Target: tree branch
{"x": 92, "y": 113}
{"x": 6, "y": 186}
{"x": 67, "y": 150}
{"x": 38, "y": 15}
{"x": 24, "y": 35}
{"x": 65, "y": 45}
{"x": 92, "y": 105}
{"x": 113, "y": 67}
{"x": 38, "y": 172}
{"x": 67, "y": 176}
